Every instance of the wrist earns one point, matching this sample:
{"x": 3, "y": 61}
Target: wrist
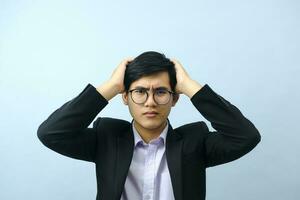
{"x": 191, "y": 87}
{"x": 108, "y": 90}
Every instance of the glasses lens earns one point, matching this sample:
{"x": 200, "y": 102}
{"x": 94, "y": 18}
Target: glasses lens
{"x": 139, "y": 96}
{"x": 162, "y": 96}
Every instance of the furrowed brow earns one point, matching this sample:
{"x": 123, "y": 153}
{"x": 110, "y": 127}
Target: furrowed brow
{"x": 161, "y": 88}
{"x": 144, "y": 88}
{"x": 140, "y": 88}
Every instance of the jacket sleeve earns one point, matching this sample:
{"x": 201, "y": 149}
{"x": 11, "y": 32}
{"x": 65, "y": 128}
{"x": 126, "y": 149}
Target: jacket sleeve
{"x": 235, "y": 135}
{"x": 66, "y": 129}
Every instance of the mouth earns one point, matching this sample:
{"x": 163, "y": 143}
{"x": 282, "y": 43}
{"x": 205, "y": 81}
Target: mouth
{"x": 151, "y": 114}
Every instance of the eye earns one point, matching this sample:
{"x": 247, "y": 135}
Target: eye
{"x": 140, "y": 91}
{"x": 161, "y": 92}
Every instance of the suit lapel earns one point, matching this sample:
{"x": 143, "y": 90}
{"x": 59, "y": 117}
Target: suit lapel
{"x": 125, "y": 144}
{"x": 173, "y": 154}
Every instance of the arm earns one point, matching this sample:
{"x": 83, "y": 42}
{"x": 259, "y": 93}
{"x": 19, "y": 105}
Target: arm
{"x": 235, "y": 135}
{"x": 65, "y": 130}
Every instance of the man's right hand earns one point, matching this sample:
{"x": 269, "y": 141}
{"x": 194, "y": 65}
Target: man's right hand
{"x": 115, "y": 84}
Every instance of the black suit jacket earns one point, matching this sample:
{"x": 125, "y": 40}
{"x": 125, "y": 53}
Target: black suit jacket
{"x": 190, "y": 148}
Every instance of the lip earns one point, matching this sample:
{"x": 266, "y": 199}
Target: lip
{"x": 150, "y": 114}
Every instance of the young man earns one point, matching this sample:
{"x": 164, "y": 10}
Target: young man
{"x": 148, "y": 159}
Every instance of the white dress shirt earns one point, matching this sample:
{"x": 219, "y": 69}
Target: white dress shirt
{"x": 148, "y": 176}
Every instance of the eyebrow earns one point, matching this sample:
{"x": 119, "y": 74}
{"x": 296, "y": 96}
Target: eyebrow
{"x": 158, "y": 88}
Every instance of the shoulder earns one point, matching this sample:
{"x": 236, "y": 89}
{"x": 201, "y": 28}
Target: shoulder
{"x": 193, "y": 136}
{"x": 113, "y": 125}
{"x": 192, "y": 130}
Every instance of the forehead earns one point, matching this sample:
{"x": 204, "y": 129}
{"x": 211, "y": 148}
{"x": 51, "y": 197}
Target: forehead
{"x": 160, "y": 79}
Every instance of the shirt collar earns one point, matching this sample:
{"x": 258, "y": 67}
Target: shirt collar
{"x": 138, "y": 139}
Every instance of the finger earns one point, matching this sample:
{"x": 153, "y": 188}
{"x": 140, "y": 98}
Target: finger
{"x": 174, "y": 60}
{"x": 129, "y": 59}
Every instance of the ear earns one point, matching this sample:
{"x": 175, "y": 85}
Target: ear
{"x": 125, "y": 98}
{"x": 175, "y": 99}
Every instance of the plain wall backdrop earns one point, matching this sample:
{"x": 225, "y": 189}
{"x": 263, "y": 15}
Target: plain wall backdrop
{"x": 247, "y": 51}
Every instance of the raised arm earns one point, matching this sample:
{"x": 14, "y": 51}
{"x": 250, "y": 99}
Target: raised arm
{"x": 66, "y": 129}
{"x": 235, "y": 135}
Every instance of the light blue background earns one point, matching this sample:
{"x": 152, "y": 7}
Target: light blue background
{"x": 247, "y": 51}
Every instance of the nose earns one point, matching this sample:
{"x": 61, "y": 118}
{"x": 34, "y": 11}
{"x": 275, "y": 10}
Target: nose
{"x": 150, "y": 101}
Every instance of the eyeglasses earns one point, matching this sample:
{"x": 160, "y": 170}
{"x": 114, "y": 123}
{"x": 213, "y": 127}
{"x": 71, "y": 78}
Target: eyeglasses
{"x": 161, "y": 95}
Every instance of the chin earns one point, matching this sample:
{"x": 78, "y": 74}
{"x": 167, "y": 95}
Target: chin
{"x": 151, "y": 124}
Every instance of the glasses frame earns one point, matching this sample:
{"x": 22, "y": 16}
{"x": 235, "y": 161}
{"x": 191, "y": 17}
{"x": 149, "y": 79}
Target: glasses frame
{"x": 153, "y": 93}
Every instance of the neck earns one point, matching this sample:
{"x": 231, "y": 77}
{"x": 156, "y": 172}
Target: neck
{"x": 149, "y": 134}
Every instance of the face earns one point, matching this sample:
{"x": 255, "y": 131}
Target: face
{"x": 142, "y": 120}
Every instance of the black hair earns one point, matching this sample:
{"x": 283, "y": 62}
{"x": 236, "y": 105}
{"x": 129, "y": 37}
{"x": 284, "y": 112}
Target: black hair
{"x": 149, "y": 63}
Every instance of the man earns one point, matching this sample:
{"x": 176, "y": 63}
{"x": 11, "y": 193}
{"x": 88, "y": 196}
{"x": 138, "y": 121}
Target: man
{"x": 148, "y": 159}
